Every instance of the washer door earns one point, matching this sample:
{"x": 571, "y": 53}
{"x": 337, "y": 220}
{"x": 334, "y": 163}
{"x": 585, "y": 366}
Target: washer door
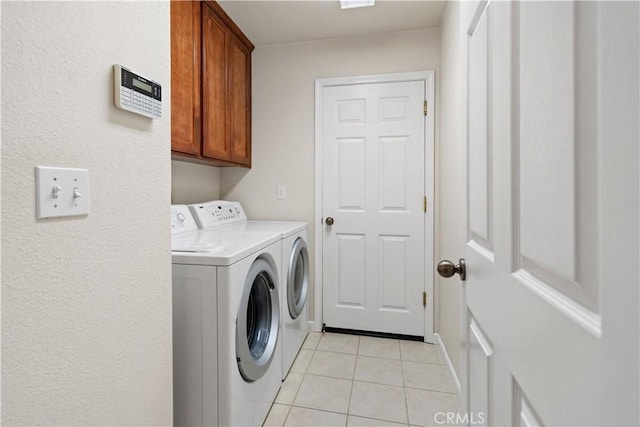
{"x": 298, "y": 279}
{"x": 257, "y": 321}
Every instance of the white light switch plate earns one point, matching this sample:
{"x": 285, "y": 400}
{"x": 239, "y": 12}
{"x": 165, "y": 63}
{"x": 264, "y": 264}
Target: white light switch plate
{"x": 282, "y": 192}
{"x": 61, "y": 192}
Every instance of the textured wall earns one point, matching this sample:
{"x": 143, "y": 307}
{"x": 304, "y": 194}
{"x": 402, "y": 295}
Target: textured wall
{"x": 451, "y": 179}
{"x": 194, "y": 183}
{"x": 86, "y": 301}
{"x": 283, "y": 114}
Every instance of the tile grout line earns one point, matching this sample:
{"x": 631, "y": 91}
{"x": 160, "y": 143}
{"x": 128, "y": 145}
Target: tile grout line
{"x": 431, "y": 390}
{"x": 304, "y": 374}
{"x": 404, "y": 386}
{"x": 286, "y": 416}
{"x": 353, "y": 381}
{"x": 361, "y": 381}
{"x": 424, "y": 363}
{"x": 325, "y": 410}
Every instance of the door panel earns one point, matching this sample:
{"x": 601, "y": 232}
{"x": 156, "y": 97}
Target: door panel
{"x": 392, "y": 258}
{"x": 350, "y": 257}
{"x": 373, "y": 187}
{"x": 480, "y": 361}
{"x": 538, "y": 272}
{"x": 351, "y": 174}
{"x": 479, "y": 177}
{"x": 393, "y": 173}
{"x": 548, "y": 172}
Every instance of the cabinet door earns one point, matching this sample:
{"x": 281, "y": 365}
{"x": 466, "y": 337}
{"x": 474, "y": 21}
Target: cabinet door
{"x": 214, "y": 87}
{"x": 239, "y": 107}
{"x": 185, "y": 77}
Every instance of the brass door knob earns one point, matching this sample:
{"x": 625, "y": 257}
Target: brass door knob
{"x": 329, "y": 221}
{"x": 447, "y": 269}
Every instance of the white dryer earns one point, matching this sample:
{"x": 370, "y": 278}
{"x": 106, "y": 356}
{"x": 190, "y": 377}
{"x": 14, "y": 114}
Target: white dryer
{"x": 226, "y": 322}
{"x": 294, "y": 286}
{"x": 294, "y": 272}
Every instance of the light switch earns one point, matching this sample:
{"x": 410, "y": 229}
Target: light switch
{"x": 61, "y": 192}
{"x": 282, "y": 192}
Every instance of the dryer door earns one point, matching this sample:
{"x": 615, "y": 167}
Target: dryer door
{"x": 257, "y": 321}
{"x": 298, "y": 279}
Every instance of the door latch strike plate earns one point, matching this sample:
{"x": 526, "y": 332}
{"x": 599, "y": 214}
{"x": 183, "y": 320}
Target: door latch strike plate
{"x": 424, "y": 299}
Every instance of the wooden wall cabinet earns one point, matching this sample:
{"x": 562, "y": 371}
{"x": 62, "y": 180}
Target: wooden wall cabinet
{"x": 210, "y": 86}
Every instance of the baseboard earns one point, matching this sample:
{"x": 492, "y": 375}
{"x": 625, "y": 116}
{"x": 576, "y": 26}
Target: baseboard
{"x": 311, "y": 326}
{"x": 447, "y": 361}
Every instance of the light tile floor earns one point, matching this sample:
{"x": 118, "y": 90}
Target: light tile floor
{"x": 349, "y": 380}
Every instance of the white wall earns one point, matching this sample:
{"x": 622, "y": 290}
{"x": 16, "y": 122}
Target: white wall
{"x": 283, "y": 114}
{"x": 451, "y": 179}
{"x": 193, "y": 182}
{"x": 86, "y": 301}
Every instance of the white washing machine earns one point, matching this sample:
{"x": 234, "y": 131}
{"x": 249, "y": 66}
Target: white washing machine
{"x": 226, "y": 310}
{"x": 294, "y": 273}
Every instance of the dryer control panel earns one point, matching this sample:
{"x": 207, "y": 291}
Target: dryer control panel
{"x": 181, "y": 219}
{"x": 217, "y": 212}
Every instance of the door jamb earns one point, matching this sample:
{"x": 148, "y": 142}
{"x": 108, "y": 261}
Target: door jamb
{"x": 429, "y": 78}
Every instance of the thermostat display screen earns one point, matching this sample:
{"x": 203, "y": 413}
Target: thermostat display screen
{"x": 139, "y": 84}
{"x": 147, "y": 88}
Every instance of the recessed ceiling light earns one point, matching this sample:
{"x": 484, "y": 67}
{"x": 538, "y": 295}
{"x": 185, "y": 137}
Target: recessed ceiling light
{"x": 349, "y": 4}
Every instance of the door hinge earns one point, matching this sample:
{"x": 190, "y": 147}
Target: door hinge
{"x": 425, "y": 107}
{"x": 424, "y": 299}
{"x": 424, "y": 204}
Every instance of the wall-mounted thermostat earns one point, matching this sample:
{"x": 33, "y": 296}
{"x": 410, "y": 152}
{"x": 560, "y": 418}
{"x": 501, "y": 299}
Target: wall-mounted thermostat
{"x": 137, "y": 94}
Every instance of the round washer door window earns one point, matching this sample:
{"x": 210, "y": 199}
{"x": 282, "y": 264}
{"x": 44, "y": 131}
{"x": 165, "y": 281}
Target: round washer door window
{"x": 257, "y": 321}
{"x": 298, "y": 279}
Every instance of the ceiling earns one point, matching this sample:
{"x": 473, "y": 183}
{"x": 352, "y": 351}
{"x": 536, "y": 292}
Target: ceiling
{"x": 269, "y": 22}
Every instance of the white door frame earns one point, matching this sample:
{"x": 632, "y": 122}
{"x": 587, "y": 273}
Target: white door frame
{"x": 429, "y": 78}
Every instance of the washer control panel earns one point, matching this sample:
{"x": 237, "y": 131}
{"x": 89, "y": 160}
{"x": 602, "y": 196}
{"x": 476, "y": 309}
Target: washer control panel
{"x": 217, "y": 212}
{"x": 181, "y": 219}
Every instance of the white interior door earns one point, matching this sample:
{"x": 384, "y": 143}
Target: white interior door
{"x": 551, "y": 296}
{"x": 373, "y": 189}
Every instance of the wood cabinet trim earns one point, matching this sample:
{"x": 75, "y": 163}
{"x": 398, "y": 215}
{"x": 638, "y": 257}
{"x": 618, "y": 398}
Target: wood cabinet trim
{"x": 215, "y": 100}
{"x": 197, "y": 64}
{"x": 229, "y": 22}
{"x": 244, "y": 157}
{"x": 185, "y": 130}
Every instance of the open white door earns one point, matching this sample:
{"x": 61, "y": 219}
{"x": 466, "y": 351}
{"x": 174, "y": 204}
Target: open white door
{"x": 551, "y": 321}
